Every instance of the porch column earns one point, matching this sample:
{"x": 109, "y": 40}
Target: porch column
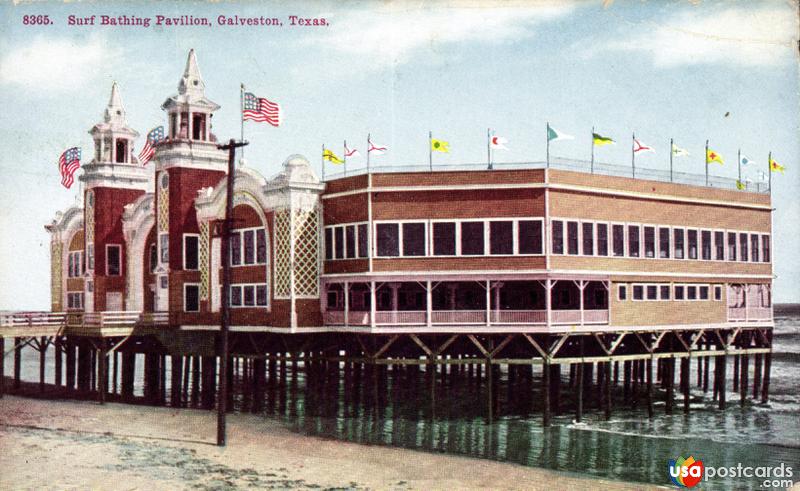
{"x": 745, "y": 297}
{"x": 428, "y": 303}
{"x": 488, "y": 302}
{"x": 581, "y": 287}
{"x": 497, "y": 287}
{"x": 189, "y": 123}
{"x": 548, "y": 300}
{"x": 346, "y": 303}
{"x": 372, "y": 289}
{"x": 395, "y": 301}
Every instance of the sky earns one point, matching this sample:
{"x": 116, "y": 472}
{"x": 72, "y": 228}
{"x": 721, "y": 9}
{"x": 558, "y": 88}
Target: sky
{"x": 722, "y": 71}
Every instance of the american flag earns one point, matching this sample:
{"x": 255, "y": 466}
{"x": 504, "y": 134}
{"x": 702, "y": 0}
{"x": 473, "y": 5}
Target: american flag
{"x": 149, "y": 149}
{"x": 68, "y": 163}
{"x": 261, "y": 110}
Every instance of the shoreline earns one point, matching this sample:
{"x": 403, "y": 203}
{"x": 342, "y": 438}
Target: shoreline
{"x": 56, "y": 444}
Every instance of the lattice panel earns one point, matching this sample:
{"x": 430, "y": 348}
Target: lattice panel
{"x": 203, "y": 256}
{"x": 55, "y": 277}
{"x": 89, "y": 220}
{"x": 283, "y": 253}
{"x": 163, "y": 208}
{"x": 306, "y": 246}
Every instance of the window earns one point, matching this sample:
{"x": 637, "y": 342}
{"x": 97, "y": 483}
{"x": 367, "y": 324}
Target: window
{"x": 706, "y": 245}
{"x": 261, "y": 246}
{"x": 90, "y": 256}
{"x": 472, "y": 239}
{"x": 198, "y": 126}
{"x": 236, "y": 248}
{"x": 622, "y": 292}
{"x": 388, "y": 239}
{"x": 164, "y": 242}
{"x": 501, "y": 237}
{"x": 338, "y": 247}
{"x": 765, "y": 248}
{"x": 649, "y": 242}
{"x": 663, "y": 292}
{"x": 261, "y": 295}
{"x": 691, "y": 292}
{"x": 363, "y": 240}
{"x": 328, "y": 243}
{"x": 558, "y": 237}
{"x": 350, "y": 237}
{"x": 652, "y": 292}
{"x": 572, "y": 238}
{"x": 602, "y": 239}
{"x": 717, "y": 292}
{"x": 236, "y": 296}
{"x": 692, "y": 236}
{"x": 588, "y": 238}
{"x": 190, "y": 258}
{"x": 618, "y": 232}
{"x": 663, "y": 243}
{"x": 678, "y": 235}
{"x": 74, "y": 300}
{"x": 74, "y": 260}
{"x": 249, "y": 246}
{"x": 743, "y": 256}
{"x": 633, "y": 241}
{"x": 444, "y": 239}
{"x": 731, "y": 246}
{"x": 153, "y": 258}
{"x": 113, "y": 260}
{"x": 703, "y": 290}
{"x": 530, "y": 237}
{"x": 191, "y": 297}
{"x": 754, "y": 248}
{"x": 249, "y": 295}
{"x": 719, "y": 246}
{"x": 638, "y": 292}
{"x": 414, "y": 239}
{"x": 253, "y": 295}
{"x": 679, "y": 292}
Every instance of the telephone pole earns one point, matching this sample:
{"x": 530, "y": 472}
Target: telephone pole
{"x": 222, "y": 394}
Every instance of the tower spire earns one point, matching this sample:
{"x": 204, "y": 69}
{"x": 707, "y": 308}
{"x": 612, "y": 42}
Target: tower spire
{"x": 191, "y": 82}
{"x": 115, "y": 111}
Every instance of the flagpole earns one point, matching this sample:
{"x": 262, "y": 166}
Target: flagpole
{"x": 323, "y": 162}
{"x": 591, "y": 168}
{"x": 706, "y": 162}
{"x": 368, "y": 147}
{"x": 671, "y": 151}
{"x": 345, "y": 158}
{"x": 547, "y": 146}
{"x": 241, "y": 116}
{"x": 739, "y": 161}
{"x": 769, "y": 172}
{"x": 489, "y": 147}
{"x": 633, "y": 155}
{"x": 430, "y": 150}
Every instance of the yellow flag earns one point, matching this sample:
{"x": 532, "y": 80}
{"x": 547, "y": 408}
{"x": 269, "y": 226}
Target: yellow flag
{"x": 331, "y": 157}
{"x": 712, "y": 156}
{"x": 440, "y": 146}
{"x": 776, "y": 167}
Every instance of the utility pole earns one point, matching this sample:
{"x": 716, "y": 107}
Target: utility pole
{"x": 222, "y": 394}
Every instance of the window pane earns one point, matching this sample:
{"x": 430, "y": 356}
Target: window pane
{"x": 638, "y": 292}
{"x": 664, "y": 293}
{"x": 236, "y": 248}
{"x": 588, "y": 239}
{"x": 765, "y": 243}
{"x": 236, "y": 295}
{"x": 501, "y": 237}
{"x": 649, "y": 242}
{"x": 743, "y": 255}
{"x": 249, "y": 295}
{"x": 633, "y": 240}
{"x": 113, "y": 260}
{"x": 328, "y": 243}
{"x": 153, "y": 257}
{"x": 602, "y": 239}
{"x": 190, "y": 252}
{"x": 164, "y": 250}
{"x": 192, "y": 298}
{"x": 679, "y": 244}
{"x": 703, "y": 293}
{"x": 338, "y": 247}
{"x": 558, "y": 237}
{"x": 413, "y": 239}
{"x": 754, "y": 247}
{"x": 249, "y": 238}
{"x": 572, "y": 237}
{"x": 388, "y": 239}
{"x": 652, "y": 292}
{"x": 622, "y": 292}
{"x": 717, "y": 293}
{"x": 706, "y": 246}
{"x": 719, "y": 246}
{"x": 444, "y": 239}
{"x": 363, "y": 240}
{"x": 71, "y": 265}
{"x": 731, "y": 246}
{"x": 663, "y": 243}
{"x": 679, "y": 292}
{"x": 261, "y": 246}
{"x": 261, "y": 295}
{"x": 619, "y": 240}
{"x": 530, "y": 237}
{"x": 692, "y": 235}
{"x": 691, "y": 293}
{"x": 350, "y": 235}
{"x": 472, "y": 238}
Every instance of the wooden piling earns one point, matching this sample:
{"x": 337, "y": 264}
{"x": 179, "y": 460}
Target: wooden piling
{"x": 743, "y": 383}
{"x": 757, "y": 376}
{"x": 69, "y": 347}
{"x": 209, "y": 370}
{"x": 707, "y": 365}
{"x": 579, "y": 372}
{"x": 84, "y": 366}
{"x": 42, "y": 362}
{"x": 17, "y": 362}
{"x": 102, "y": 371}
{"x": 721, "y": 360}
{"x": 669, "y": 380}
{"x": 649, "y": 373}
{"x": 736, "y": 361}
{"x": 767, "y": 369}
{"x": 626, "y": 381}
{"x": 176, "y": 380}
{"x": 607, "y": 398}
{"x": 128, "y": 375}
{"x": 686, "y": 368}
{"x": 195, "y": 395}
{"x": 185, "y": 384}
{"x": 58, "y": 365}
{"x": 546, "y": 394}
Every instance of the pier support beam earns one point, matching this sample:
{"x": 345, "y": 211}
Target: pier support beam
{"x": 128, "y": 375}
{"x": 649, "y": 373}
{"x": 17, "y": 362}
{"x": 757, "y": 377}
{"x": 69, "y": 346}
{"x": 42, "y": 361}
{"x": 546, "y": 394}
{"x": 59, "y": 370}
{"x": 84, "y": 366}
{"x": 209, "y": 389}
{"x": 686, "y": 369}
{"x": 669, "y": 378}
{"x": 579, "y": 372}
{"x": 102, "y": 371}
{"x": 607, "y": 398}
{"x": 721, "y": 385}
{"x": 176, "y": 375}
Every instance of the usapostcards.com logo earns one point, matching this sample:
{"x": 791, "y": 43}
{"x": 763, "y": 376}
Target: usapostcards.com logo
{"x": 686, "y": 472}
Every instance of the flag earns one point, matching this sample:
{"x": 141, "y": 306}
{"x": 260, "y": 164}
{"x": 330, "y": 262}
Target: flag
{"x": 349, "y": 154}
{"x": 776, "y": 167}
{"x": 68, "y": 163}
{"x": 331, "y": 157}
{"x": 740, "y": 184}
{"x": 679, "y": 152}
{"x": 154, "y": 136}
{"x": 600, "y": 140}
{"x": 261, "y": 110}
{"x": 745, "y": 161}
{"x": 712, "y": 156}
{"x": 440, "y": 146}
{"x": 498, "y": 143}
{"x": 641, "y": 147}
{"x": 377, "y": 149}
{"x": 555, "y": 135}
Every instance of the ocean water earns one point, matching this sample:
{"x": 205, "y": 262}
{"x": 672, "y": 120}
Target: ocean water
{"x": 458, "y": 415}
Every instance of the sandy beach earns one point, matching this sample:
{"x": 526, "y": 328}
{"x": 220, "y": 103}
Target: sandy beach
{"x": 47, "y": 444}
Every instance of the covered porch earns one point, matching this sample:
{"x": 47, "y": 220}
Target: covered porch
{"x": 465, "y": 302}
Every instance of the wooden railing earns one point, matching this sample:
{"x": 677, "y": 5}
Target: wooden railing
{"x": 110, "y": 319}
{"x": 20, "y": 319}
{"x": 749, "y": 313}
{"x": 463, "y": 317}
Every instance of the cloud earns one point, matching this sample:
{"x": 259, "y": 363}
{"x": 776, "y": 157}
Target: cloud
{"x": 55, "y": 65}
{"x": 733, "y": 36}
{"x": 397, "y": 32}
